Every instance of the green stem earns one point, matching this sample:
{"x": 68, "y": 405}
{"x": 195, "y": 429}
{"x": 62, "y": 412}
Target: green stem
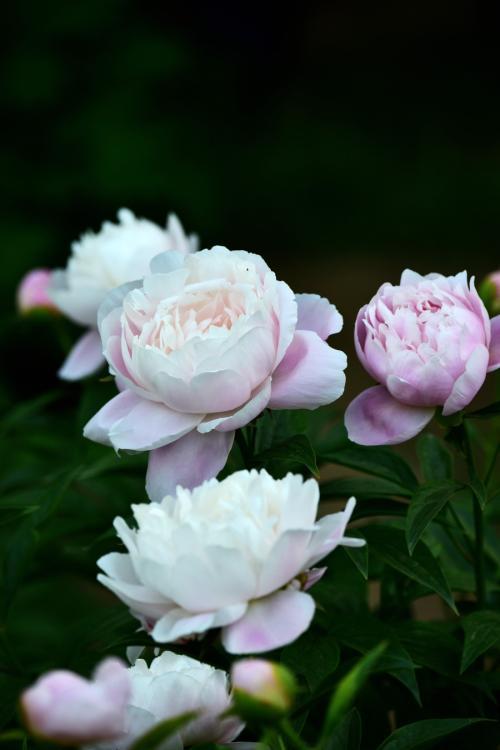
{"x": 479, "y": 567}
{"x": 292, "y": 736}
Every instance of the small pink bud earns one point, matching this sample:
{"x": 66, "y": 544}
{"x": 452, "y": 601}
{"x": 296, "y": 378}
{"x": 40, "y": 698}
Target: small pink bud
{"x": 32, "y": 292}
{"x": 489, "y": 291}
{"x": 65, "y": 708}
{"x": 262, "y": 690}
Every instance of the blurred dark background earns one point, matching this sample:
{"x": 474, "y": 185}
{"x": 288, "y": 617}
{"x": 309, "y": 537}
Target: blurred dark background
{"x": 343, "y": 141}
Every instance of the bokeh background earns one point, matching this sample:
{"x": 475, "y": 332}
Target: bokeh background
{"x": 343, "y": 141}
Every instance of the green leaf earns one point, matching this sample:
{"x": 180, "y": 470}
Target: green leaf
{"x": 380, "y": 462}
{"x": 347, "y": 734}
{"x": 364, "y": 633}
{"x": 421, "y": 733}
{"x": 295, "y": 450}
{"x": 435, "y": 459}
{"x": 358, "y": 555}
{"x": 162, "y": 731}
{"x": 389, "y": 545}
{"x": 493, "y": 410}
{"x": 427, "y": 502}
{"x": 482, "y": 632}
{"x": 348, "y": 688}
{"x": 312, "y": 656}
{"x": 371, "y": 508}
{"x": 363, "y": 488}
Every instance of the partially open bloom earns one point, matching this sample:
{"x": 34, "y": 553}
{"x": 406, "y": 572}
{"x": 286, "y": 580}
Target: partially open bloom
{"x": 171, "y": 686}
{"x": 65, "y": 708}
{"x": 32, "y": 291}
{"x": 429, "y": 342}
{"x": 235, "y": 554}
{"x": 117, "y": 254}
{"x": 201, "y": 347}
{"x": 262, "y": 689}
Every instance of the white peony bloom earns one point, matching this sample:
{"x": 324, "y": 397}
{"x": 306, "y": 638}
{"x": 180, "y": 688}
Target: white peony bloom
{"x": 234, "y": 554}
{"x": 99, "y": 262}
{"x": 171, "y": 686}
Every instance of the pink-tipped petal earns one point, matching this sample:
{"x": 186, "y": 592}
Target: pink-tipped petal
{"x": 376, "y": 418}
{"x": 150, "y": 425}
{"x": 85, "y": 358}
{"x": 98, "y": 428}
{"x": 494, "y": 361}
{"x": 233, "y": 421}
{"x": 270, "y": 623}
{"x": 310, "y": 375}
{"x": 317, "y": 314}
{"x": 187, "y": 462}
{"x": 469, "y": 383}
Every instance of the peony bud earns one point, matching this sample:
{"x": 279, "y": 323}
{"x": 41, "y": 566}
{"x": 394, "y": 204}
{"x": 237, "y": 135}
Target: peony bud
{"x": 489, "y": 292}
{"x": 32, "y": 292}
{"x": 67, "y": 709}
{"x": 262, "y": 690}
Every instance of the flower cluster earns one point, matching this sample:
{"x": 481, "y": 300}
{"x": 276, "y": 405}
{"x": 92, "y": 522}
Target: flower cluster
{"x": 200, "y": 343}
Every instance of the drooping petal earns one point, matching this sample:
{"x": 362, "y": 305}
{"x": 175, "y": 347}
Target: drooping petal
{"x": 178, "y": 623}
{"x": 270, "y": 623}
{"x": 187, "y": 462}
{"x": 98, "y": 428}
{"x": 241, "y": 417}
{"x": 469, "y": 383}
{"x": 330, "y": 534}
{"x": 85, "y": 358}
{"x": 128, "y": 422}
{"x": 376, "y": 418}
{"x": 317, "y": 314}
{"x": 494, "y": 361}
{"x": 310, "y": 375}
{"x": 287, "y": 319}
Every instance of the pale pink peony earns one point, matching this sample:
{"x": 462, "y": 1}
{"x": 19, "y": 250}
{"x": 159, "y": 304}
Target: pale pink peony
{"x": 65, "y": 708}
{"x": 199, "y": 348}
{"x": 430, "y": 343}
{"x": 32, "y": 291}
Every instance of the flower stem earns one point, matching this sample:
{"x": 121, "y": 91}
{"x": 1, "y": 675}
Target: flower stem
{"x": 479, "y": 567}
{"x": 292, "y": 736}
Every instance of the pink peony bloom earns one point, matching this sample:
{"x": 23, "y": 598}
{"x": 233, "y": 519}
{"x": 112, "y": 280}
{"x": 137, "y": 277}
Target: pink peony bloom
{"x": 199, "y": 348}
{"x": 430, "y": 343}
{"x": 65, "y": 708}
{"x": 32, "y": 291}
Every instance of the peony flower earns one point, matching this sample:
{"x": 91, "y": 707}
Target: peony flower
{"x": 118, "y": 254}
{"x": 200, "y": 348}
{"x": 235, "y": 554}
{"x": 65, "y": 708}
{"x": 262, "y": 689}
{"x": 171, "y": 686}
{"x": 32, "y": 291}
{"x": 429, "y": 342}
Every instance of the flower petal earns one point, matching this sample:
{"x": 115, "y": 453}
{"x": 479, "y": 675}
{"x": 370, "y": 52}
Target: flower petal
{"x": 494, "y": 362}
{"x": 241, "y": 417}
{"x": 310, "y": 375}
{"x": 270, "y": 623}
{"x": 376, "y": 418}
{"x": 188, "y": 462}
{"x": 317, "y": 314}
{"x": 132, "y": 423}
{"x": 287, "y": 318}
{"x": 286, "y": 560}
{"x": 178, "y": 623}
{"x": 84, "y": 359}
{"x": 78, "y": 306}
{"x": 469, "y": 383}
